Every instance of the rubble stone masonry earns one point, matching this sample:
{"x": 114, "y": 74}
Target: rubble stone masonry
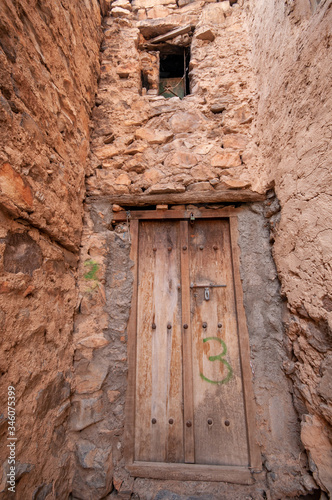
{"x": 84, "y": 134}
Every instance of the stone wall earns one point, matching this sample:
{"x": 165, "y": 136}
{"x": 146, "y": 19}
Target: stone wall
{"x": 146, "y": 146}
{"x": 146, "y": 150}
{"x": 291, "y": 42}
{"x": 49, "y": 65}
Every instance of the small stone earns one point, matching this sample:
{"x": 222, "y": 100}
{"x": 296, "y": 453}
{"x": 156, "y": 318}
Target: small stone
{"x": 183, "y": 159}
{"x": 86, "y": 411}
{"x": 185, "y": 122}
{"x": 15, "y": 187}
{"x": 153, "y": 136}
{"x": 205, "y": 33}
{"x": 200, "y": 186}
{"x": 135, "y": 148}
{"x": 236, "y": 184}
{"x": 91, "y": 378}
{"x": 117, "y": 208}
{"x": 203, "y": 149}
{"x": 235, "y": 141}
{"x": 219, "y": 107}
{"x": 124, "y": 4}
{"x": 158, "y": 12}
{"x": 113, "y": 395}
{"x": 29, "y": 291}
{"x": 119, "y": 12}
{"x": 107, "y": 152}
{"x": 94, "y": 341}
{"x": 226, "y": 160}
{"x": 109, "y": 139}
{"x": 123, "y": 179}
{"x": 152, "y": 176}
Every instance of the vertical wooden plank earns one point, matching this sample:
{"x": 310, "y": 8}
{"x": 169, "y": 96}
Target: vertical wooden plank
{"x": 220, "y": 422}
{"x": 187, "y": 347}
{"x": 159, "y": 418}
{"x": 131, "y": 329}
{"x": 255, "y": 455}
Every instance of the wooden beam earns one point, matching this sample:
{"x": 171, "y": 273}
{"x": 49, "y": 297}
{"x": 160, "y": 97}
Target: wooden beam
{"x": 216, "y": 196}
{"x": 191, "y": 472}
{"x": 249, "y": 402}
{"x": 171, "y": 34}
{"x": 176, "y": 214}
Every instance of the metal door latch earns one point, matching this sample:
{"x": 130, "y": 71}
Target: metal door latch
{"x": 206, "y": 289}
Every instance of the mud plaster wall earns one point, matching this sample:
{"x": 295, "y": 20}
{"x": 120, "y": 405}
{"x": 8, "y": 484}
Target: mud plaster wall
{"x": 49, "y": 66}
{"x": 97, "y": 419}
{"x": 292, "y": 57}
{"x": 146, "y": 149}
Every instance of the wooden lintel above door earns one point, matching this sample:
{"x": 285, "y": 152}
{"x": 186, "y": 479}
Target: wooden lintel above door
{"x": 198, "y": 213}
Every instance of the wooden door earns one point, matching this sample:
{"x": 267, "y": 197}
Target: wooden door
{"x": 188, "y": 401}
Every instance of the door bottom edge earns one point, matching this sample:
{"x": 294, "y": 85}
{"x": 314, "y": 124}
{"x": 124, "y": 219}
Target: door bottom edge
{"x": 191, "y": 472}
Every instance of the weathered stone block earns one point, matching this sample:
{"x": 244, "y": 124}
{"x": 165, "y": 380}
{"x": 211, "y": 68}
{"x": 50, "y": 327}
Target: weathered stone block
{"x": 108, "y": 151}
{"x": 200, "y": 186}
{"x": 236, "y": 183}
{"x": 153, "y": 136}
{"x": 152, "y": 176}
{"x": 90, "y": 376}
{"x": 235, "y": 141}
{"x": 157, "y": 12}
{"x": 124, "y": 4}
{"x": 22, "y": 254}
{"x": 215, "y": 13}
{"x": 226, "y": 160}
{"x": 13, "y": 186}
{"x": 185, "y": 121}
{"x": 205, "y": 33}
{"x": 182, "y": 159}
{"x": 123, "y": 179}
{"x": 94, "y": 341}
{"x": 86, "y": 411}
{"x": 119, "y": 12}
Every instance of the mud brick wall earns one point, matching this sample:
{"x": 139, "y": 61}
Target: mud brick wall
{"x": 49, "y": 65}
{"x": 291, "y": 55}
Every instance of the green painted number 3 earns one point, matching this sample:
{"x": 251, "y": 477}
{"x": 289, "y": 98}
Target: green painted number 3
{"x": 219, "y": 357}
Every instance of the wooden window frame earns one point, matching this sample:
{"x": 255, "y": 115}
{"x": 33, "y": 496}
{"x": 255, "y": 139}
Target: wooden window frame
{"x": 185, "y": 471}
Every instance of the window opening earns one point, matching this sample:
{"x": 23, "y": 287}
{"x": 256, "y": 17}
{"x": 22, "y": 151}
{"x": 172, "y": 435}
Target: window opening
{"x": 174, "y": 74}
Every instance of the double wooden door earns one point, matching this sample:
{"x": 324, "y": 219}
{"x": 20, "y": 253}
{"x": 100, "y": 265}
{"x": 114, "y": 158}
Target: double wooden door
{"x": 188, "y": 400}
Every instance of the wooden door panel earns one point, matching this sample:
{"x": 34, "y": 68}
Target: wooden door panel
{"x": 190, "y": 410}
{"x": 159, "y": 397}
{"x": 219, "y": 413}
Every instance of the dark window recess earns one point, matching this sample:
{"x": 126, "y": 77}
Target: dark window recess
{"x": 174, "y": 74}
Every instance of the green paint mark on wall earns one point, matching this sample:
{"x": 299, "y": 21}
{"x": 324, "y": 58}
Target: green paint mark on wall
{"x": 93, "y": 269}
{"x": 219, "y": 357}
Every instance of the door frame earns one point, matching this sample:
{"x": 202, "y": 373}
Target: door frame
{"x": 185, "y": 471}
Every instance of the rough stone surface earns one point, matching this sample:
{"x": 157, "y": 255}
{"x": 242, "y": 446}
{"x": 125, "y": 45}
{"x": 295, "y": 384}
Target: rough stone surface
{"x": 48, "y": 74}
{"x": 257, "y": 117}
{"x": 293, "y": 130}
